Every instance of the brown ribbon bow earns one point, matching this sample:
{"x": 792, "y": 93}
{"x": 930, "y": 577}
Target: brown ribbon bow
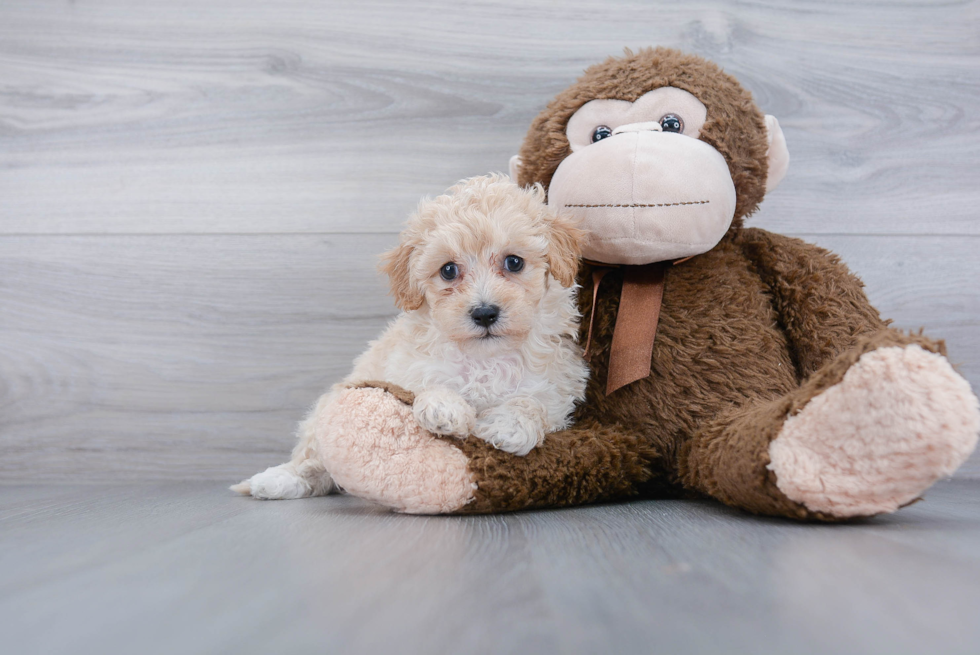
{"x": 636, "y": 321}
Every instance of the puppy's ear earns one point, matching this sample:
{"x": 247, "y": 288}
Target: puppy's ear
{"x": 396, "y": 264}
{"x": 565, "y": 247}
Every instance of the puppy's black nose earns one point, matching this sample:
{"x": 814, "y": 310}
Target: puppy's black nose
{"x": 485, "y": 315}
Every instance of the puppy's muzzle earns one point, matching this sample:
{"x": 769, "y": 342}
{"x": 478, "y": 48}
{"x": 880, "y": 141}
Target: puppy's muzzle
{"x": 485, "y": 315}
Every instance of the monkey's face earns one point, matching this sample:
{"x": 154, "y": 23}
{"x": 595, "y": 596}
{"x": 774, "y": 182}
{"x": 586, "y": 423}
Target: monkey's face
{"x": 641, "y": 183}
{"x": 658, "y": 155}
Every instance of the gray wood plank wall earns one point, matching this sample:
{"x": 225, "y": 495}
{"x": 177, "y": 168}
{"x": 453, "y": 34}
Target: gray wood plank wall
{"x": 193, "y": 194}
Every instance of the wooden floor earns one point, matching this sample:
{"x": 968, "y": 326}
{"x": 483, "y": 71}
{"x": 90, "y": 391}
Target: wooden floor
{"x": 191, "y": 568}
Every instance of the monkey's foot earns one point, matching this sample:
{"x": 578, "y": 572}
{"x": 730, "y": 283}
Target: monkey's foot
{"x": 900, "y": 419}
{"x": 374, "y": 448}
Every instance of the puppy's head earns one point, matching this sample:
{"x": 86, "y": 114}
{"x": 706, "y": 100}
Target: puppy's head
{"x": 482, "y": 258}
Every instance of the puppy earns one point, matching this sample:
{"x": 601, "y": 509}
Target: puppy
{"x": 484, "y": 276}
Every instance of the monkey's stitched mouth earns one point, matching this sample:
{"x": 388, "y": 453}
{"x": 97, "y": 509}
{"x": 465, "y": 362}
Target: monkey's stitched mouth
{"x": 660, "y": 204}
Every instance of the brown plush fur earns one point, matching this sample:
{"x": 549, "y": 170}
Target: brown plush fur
{"x": 403, "y": 395}
{"x": 728, "y": 458}
{"x": 748, "y": 333}
{"x": 589, "y": 463}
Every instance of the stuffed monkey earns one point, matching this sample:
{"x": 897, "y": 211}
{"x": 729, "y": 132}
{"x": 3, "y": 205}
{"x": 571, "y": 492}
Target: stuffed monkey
{"x": 726, "y": 361}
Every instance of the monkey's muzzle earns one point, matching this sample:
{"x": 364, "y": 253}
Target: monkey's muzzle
{"x": 646, "y": 196}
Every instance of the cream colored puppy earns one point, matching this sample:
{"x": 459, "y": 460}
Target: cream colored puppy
{"x": 484, "y": 276}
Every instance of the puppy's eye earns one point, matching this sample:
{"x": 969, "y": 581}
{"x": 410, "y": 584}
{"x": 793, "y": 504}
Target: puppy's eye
{"x": 601, "y": 132}
{"x": 449, "y": 271}
{"x": 672, "y": 123}
{"x": 513, "y": 263}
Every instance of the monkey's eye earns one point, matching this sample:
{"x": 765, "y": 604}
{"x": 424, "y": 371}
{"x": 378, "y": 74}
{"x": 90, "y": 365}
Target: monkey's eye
{"x": 601, "y": 132}
{"x": 513, "y": 263}
{"x": 672, "y": 123}
{"x": 449, "y": 271}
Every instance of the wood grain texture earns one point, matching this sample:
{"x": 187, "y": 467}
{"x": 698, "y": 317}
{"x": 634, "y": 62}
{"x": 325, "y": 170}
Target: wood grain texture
{"x": 238, "y": 116}
{"x": 191, "y": 568}
{"x": 192, "y": 195}
{"x": 177, "y": 356}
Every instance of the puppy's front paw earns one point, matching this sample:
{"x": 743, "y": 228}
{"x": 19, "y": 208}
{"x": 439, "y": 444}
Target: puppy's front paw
{"x": 442, "y": 411}
{"x": 515, "y": 427}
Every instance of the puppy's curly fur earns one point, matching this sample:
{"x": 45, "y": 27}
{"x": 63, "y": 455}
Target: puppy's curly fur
{"x": 508, "y": 381}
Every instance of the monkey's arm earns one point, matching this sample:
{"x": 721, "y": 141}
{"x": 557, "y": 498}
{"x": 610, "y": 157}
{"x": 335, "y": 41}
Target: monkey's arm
{"x": 586, "y": 463}
{"x": 375, "y": 449}
{"x": 820, "y": 303}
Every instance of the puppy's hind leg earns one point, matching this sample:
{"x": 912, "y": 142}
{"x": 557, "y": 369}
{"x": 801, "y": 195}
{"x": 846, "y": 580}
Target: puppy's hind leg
{"x": 285, "y": 482}
{"x": 302, "y": 476}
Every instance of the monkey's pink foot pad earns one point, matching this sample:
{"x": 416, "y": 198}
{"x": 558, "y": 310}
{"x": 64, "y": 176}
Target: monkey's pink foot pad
{"x": 373, "y": 448}
{"x": 900, "y": 419}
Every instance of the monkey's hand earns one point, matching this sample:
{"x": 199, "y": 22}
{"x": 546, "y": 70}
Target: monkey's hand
{"x": 441, "y": 410}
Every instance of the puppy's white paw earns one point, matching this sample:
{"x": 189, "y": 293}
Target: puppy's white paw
{"x": 515, "y": 427}
{"x": 275, "y": 483}
{"x": 442, "y": 411}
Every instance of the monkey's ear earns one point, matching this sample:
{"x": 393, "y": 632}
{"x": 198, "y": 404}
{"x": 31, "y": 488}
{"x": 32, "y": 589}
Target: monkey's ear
{"x": 396, "y": 264}
{"x": 564, "y": 249}
{"x": 515, "y": 168}
{"x": 778, "y": 153}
